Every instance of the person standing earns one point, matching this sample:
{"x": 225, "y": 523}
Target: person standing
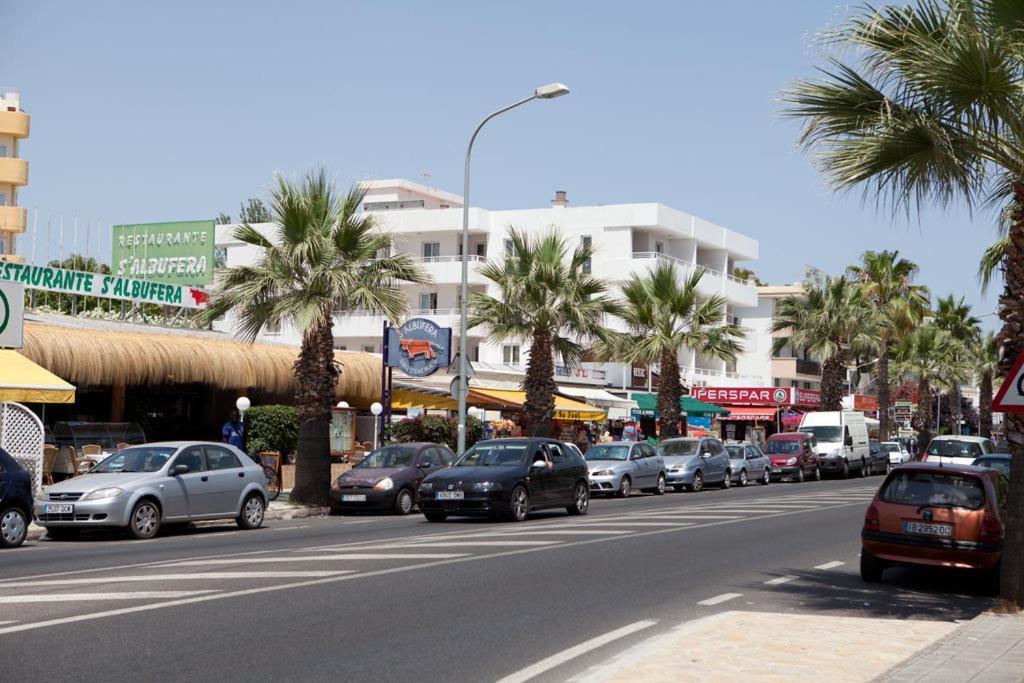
{"x": 233, "y": 432}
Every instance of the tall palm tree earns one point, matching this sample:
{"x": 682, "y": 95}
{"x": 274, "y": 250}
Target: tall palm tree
{"x": 955, "y": 317}
{"x": 887, "y": 282}
{"x": 324, "y": 258}
{"x": 933, "y": 112}
{"x": 548, "y": 299}
{"x": 986, "y": 365}
{"x": 926, "y": 356}
{"x": 835, "y": 322}
{"x": 663, "y": 316}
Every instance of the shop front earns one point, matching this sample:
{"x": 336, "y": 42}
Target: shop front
{"x": 756, "y": 413}
{"x": 697, "y": 415}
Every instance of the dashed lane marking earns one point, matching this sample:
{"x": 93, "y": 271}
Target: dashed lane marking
{"x": 719, "y": 599}
{"x": 87, "y": 597}
{"x": 199, "y": 576}
{"x": 337, "y": 557}
{"x": 779, "y": 580}
{"x": 830, "y": 565}
{"x": 467, "y": 544}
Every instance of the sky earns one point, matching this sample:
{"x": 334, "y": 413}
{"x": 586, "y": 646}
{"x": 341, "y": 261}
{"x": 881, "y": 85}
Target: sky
{"x": 177, "y": 111}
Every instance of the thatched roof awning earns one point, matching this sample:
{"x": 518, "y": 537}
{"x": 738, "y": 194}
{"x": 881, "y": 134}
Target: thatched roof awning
{"x": 109, "y": 354}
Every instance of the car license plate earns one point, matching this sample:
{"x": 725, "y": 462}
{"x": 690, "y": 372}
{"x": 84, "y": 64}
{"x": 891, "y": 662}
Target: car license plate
{"x": 354, "y": 498}
{"x": 776, "y": 470}
{"x": 926, "y": 528}
{"x": 63, "y": 509}
{"x": 450, "y": 495}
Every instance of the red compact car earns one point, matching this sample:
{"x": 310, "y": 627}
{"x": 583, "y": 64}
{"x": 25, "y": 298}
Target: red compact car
{"x": 792, "y": 456}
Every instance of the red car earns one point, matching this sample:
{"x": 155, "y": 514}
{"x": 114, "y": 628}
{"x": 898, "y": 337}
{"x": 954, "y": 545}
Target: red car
{"x": 792, "y": 456}
{"x": 936, "y": 515}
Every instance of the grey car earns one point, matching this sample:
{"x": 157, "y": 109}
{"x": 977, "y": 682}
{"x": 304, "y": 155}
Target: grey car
{"x": 621, "y": 467}
{"x": 747, "y": 463}
{"x": 692, "y": 462}
{"x": 141, "y": 487}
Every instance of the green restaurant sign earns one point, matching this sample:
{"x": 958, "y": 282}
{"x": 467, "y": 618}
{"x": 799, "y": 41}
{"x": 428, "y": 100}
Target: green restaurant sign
{"x": 100, "y": 285}
{"x": 179, "y": 253}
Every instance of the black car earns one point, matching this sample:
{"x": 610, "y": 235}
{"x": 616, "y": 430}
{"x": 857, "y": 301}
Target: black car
{"x": 15, "y": 501}
{"x": 878, "y": 459}
{"x": 387, "y": 478}
{"x": 508, "y": 478}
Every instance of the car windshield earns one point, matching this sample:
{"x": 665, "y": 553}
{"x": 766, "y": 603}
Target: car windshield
{"x": 494, "y": 455}
{"x": 949, "y": 448}
{"x": 1000, "y": 464}
{"x": 607, "y": 452}
{"x": 824, "y": 432}
{"x": 136, "y": 459}
{"x": 388, "y": 457}
{"x": 782, "y": 446}
{"x": 735, "y": 452}
{"x": 891, "y": 447}
{"x": 939, "y": 489}
{"x": 680, "y": 447}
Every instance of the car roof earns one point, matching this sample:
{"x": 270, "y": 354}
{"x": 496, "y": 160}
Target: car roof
{"x": 947, "y": 467}
{"x": 894, "y": 443}
{"x": 620, "y": 443}
{"x": 955, "y": 437}
{"x": 789, "y": 436}
{"x": 685, "y": 438}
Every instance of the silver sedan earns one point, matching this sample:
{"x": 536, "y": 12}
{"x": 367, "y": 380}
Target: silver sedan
{"x": 621, "y": 467}
{"x": 141, "y": 487}
{"x": 747, "y": 463}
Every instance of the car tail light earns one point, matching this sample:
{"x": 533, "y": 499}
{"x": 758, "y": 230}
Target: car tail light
{"x": 871, "y": 519}
{"x": 924, "y": 458}
{"x": 991, "y": 530}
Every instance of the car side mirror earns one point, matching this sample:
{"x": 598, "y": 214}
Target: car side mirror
{"x": 179, "y": 469}
{"x": 705, "y": 454}
{"x": 426, "y": 465}
{"x": 539, "y": 465}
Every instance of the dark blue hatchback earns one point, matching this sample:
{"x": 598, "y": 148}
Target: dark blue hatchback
{"x": 15, "y": 501}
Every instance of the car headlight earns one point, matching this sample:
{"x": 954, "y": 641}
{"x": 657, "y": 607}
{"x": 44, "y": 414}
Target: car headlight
{"x": 384, "y": 484}
{"x": 487, "y": 486}
{"x": 427, "y": 486}
{"x": 99, "y": 494}
{"x": 603, "y": 473}
{"x": 791, "y": 461}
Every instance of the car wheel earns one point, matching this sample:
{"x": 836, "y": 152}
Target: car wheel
{"x": 144, "y": 521}
{"x": 625, "y": 486}
{"x": 767, "y": 477}
{"x": 438, "y": 516}
{"x": 743, "y": 478}
{"x": 580, "y": 500}
{"x": 727, "y": 480}
{"x": 659, "y": 488}
{"x": 871, "y": 568}
{"x": 678, "y": 488}
{"x": 13, "y": 528}
{"x": 253, "y": 511}
{"x": 846, "y": 469}
{"x": 800, "y": 475}
{"x": 518, "y": 504}
{"x": 404, "y": 502}
{"x": 698, "y": 482}
{"x": 817, "y": 473}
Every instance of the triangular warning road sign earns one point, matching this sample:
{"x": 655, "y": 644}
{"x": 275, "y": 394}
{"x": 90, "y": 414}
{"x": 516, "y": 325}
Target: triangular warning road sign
{"x": 1010, "y": 398}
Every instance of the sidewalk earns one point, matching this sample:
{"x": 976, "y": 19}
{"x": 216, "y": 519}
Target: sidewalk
{"x": 989, "y": 648}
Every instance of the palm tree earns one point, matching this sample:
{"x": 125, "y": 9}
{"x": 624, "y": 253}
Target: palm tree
{"x": 663, "y": 316}
{"x": 887, "y": 282}
{"x": 549, "y": 299}
{"x": 986, "y": 365}
{"x": 834, "y": 323}
{"x": 955, "y": 318}
{"x": 323, "y": 258}
{"x": 924, "y": 355}
{"x": 933, "y": 112}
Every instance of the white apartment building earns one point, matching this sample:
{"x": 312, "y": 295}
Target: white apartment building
{"x": 627, "y": 239}
{"x": 790, "y": 367}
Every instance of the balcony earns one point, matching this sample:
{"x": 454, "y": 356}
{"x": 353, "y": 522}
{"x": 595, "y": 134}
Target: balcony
{"x": 14, "y": 123}
{"x": 713, "y": 282}
{"x": 13, "y": 171}
{"x": 13, "y": 218}
{"x": 364, "y": 324}
{"x": 795, "y": 368}
{"x": 448, "y": 269}
{"x": 703, "y": 377}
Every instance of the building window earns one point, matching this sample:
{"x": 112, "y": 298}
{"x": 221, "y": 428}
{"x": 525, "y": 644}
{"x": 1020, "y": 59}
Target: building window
{"x": 369, "y": 348}
{"x": 476, "y": 353}
{"x": 3, "y": 199}
{"x": 659, "y": 248}
{"x": 586, "y": 242}
{"x": 508, "y": 248}
{"x": 481, "y": 250}
{"x": 428, "y": 301}
{"x": 807, "y": 385}
{"x": 510, "y": 354}
{"x": 3, "y": 151}
{"x": 793, "y": 383}
{"x": 341, "y": 347}
{"x": 431, "y": 250}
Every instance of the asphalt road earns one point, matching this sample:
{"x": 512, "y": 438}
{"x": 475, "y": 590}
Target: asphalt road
{"x": 392, "y": 598}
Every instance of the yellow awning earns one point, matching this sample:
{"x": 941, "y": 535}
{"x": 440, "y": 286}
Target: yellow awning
{"x": 565, "y": 408}
{"x": 403, "y": 399}
{"x": 23, "y": 381}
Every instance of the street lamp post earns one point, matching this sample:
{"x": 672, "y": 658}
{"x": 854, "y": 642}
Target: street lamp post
{"x": 544, "y": 92}
{"x": 242, "y": 403}
{"x": 376, "y": 408}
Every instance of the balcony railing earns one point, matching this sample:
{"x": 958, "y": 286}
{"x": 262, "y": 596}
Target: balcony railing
{"x": 799, "y": 366}
{"x": 687, "y": 266}
{"x": 472, "y": 258}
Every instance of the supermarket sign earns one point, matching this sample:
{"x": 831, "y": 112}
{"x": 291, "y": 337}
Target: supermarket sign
{"x": 79, "y": 282}
{"x": 758, "y": 396}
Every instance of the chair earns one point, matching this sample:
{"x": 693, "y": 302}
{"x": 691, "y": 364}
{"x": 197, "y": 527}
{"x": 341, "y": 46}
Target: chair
{"x": 92, "y": 449}
{"x": 74, "y": 460}
{"x": 50, "y": 454}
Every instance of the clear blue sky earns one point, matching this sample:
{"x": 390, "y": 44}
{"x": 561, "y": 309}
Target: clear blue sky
{"x": 163, "y": 111}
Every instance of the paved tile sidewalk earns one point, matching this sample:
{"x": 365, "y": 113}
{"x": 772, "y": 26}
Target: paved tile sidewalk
{"x": 987, "y": 649}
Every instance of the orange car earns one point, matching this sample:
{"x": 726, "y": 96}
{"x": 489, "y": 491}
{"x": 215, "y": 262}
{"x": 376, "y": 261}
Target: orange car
{"x": 940, "y": 516}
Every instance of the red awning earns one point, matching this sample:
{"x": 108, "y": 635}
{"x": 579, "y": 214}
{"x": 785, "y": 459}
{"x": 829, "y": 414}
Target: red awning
{"x": 749, "y": 413}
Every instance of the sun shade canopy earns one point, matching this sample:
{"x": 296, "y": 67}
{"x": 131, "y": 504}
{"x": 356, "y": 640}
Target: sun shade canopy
{"x": 23, "y": 381}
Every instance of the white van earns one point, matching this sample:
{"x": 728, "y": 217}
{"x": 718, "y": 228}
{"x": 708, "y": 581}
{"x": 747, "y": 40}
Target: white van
{"x": 842, "y": 441}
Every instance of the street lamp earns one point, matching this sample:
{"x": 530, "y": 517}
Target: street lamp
{"x": 242, "y": 403}
{"x": 544, "y": 92}
{"x": 343, "y": 404}
{"x": 376, "y": 408}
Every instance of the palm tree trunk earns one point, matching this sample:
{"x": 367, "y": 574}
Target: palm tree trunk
{"x": 922, "y": 421}
{"x": 539, "y": 385}
{"x": 883, "y": 392}
{"x": 985, "y": 405}
{"x": 1011, "y": 311}
{"x": 832, "y": 383}
{"x": 669, "y": 393}
{"x": 317, "y": 378}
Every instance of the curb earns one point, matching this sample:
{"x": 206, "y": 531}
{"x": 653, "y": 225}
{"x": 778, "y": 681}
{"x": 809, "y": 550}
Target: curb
{"x": 939, "y": 644}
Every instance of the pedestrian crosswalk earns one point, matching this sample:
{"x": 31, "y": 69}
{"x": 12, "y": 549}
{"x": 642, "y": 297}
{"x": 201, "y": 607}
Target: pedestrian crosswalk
{"x": 30, "y": 602}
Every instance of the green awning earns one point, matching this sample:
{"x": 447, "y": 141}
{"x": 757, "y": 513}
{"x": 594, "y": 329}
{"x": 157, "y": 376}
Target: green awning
{"x": 647, "y": 404}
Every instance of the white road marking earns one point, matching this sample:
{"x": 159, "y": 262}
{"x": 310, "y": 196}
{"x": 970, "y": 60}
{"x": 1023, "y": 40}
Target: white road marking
{"x": 459, "y": 544}
{"x": 288, "y": 528}
{"x": 175, "y": 577}
{"x": 560, "y": 658}
{"x": 2, "y": 623}
{"x": 685, "y": 516}
{"x": 85, "y": 597}
{"x": 830, "y": 565}
{"x": 779, "y": 580}
{"x": 316, "y": 558}
{"x": 547, "y": 531}
{"x": 678, "y": 524}
{"x": 719, "y": 599}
